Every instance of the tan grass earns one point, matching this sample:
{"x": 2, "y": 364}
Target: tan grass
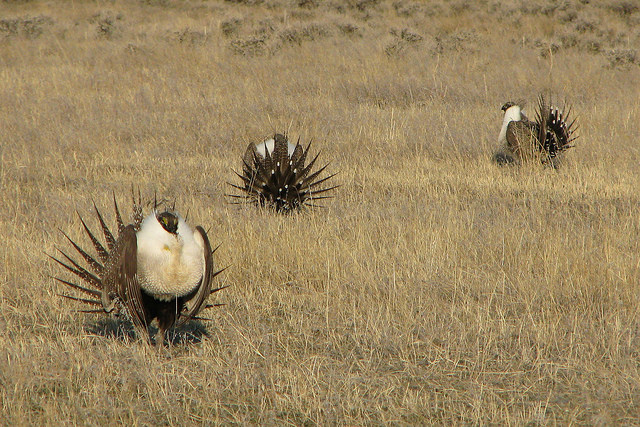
{"x": 435, "y": 288}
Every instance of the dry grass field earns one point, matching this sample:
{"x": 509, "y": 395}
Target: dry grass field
{"x": 435, "y": 288}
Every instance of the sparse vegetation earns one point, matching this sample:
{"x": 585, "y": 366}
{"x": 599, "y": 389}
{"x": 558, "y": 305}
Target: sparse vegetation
{"x": 435, "y": 288}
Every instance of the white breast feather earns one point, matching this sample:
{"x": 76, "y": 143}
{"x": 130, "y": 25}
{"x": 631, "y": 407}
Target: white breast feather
{"x": 169, "y": 266}
{"x": 512, "y": 114}
{"x": 269, "y": 145}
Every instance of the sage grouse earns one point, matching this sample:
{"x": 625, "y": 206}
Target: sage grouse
{"x": 274, "y": 174}
{"x": 542, "y": 140}
{"x": 157, "y": 268}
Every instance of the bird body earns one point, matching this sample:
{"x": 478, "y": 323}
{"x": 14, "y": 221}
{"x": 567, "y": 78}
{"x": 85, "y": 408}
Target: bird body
{"x": 156, "y": 269}
{"x": 542, "y": 140}
{"x": 268, "y": 146}
{"x": 169, "y": 265}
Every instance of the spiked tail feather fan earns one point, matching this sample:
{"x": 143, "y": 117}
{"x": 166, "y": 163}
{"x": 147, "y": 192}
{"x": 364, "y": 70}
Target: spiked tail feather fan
{"x": 97, "y": 277}
{"x": 274, "y": 174}
{"x": 556, "y": 129}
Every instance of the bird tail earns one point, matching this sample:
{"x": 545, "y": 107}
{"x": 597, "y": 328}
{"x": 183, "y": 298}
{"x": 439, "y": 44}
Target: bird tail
{"x": 557, "y": 130}
{"x": 281, "y": 180}
{"x": 93, "y": 275}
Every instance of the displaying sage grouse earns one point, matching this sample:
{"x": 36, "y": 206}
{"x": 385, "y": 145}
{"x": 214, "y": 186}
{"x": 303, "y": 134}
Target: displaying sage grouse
{"x": 274, "y": 174}
{"x": 157, "y": 268}
{"x": 542, "y": 140}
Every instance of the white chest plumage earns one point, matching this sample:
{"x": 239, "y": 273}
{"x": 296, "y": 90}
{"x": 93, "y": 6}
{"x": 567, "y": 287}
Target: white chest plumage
{"x": 512, "y": 113}
{"x": 169, "y": 265}
{"x": 269, "y": 145}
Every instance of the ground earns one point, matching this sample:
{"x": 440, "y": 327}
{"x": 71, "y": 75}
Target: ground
{"x": 434, "y": 288}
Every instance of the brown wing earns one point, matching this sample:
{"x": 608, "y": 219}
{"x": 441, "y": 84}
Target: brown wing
{"x": 522, "y": 139}
{"x": 125, "y": 278}
{"x": 103, "y": 275}
{"x": 249, "y": 158}
{"x": 204, "y": 290}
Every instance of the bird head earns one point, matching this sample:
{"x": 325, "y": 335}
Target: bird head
{"x": 168, "y": 221}
{"x": 508, "y": 105}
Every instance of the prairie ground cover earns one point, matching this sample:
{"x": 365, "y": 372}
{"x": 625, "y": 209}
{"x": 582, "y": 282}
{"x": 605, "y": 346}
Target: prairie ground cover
{"x": 435, "y": 288}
